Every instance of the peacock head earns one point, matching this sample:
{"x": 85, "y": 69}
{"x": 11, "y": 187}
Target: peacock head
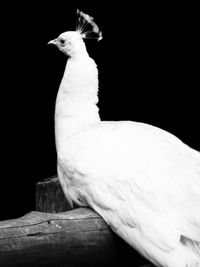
{"x": 71, "y": 42}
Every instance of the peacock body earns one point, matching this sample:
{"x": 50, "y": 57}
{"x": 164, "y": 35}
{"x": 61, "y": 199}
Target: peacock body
{"x": 142, "y": 180}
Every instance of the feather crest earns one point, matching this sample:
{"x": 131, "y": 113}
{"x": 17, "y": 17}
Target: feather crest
{"x": 87, "y": 27}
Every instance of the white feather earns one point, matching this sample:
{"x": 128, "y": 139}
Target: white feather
{"x": 142, "y": 180}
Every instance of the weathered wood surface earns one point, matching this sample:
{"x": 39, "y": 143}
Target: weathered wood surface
{"x": 50, "y": 197}
{"x": 75, "y": 238}
{"x": 78, "y": 237}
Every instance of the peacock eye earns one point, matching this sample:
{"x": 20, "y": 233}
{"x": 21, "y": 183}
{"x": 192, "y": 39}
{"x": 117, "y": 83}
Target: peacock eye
{"x": 62, "y": 41}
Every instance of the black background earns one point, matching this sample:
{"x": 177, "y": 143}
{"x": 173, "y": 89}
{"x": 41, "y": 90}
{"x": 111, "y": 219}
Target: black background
{"x": 147, "y": 64}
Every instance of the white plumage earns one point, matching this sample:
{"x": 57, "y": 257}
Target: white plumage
{"x": 142, "y": 180}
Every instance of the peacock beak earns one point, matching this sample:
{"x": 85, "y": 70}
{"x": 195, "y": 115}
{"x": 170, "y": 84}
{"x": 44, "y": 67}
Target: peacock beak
{"x": 53, "y": 42}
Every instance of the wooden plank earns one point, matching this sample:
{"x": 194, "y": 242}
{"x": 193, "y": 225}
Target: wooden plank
{"x": 78, "y": 237}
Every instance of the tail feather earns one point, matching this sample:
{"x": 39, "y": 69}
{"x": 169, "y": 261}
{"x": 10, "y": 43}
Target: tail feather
{"x": 191, "y": 244}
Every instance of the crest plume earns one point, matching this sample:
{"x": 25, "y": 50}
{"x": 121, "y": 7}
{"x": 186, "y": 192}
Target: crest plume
{"x": 87, "y": 27}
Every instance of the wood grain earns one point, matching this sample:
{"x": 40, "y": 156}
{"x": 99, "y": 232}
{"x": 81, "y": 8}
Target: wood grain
{"x": 75, "y": 238}
{"x": 50, "y": 196}
{"x": 79, "y": 237}
{"x": 72, "y": 238}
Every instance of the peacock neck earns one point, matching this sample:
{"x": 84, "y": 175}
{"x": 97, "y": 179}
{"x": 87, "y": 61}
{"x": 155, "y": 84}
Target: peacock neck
{"x": 77, "y": 98}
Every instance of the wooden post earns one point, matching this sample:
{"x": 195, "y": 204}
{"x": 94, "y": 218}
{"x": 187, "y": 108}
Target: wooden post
{"x": 50, "y": 196}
